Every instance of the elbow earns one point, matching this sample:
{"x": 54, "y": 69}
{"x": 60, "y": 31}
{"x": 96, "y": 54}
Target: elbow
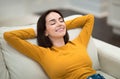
{"x": 91, "y": 16}
{"x": 6, "y": 35}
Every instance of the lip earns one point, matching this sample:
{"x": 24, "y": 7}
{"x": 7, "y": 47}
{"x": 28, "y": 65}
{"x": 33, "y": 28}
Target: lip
{"x": 59, "y": 29}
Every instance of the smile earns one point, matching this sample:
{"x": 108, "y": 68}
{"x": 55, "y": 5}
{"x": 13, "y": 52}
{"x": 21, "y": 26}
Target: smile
{"x": 60, "y": 30}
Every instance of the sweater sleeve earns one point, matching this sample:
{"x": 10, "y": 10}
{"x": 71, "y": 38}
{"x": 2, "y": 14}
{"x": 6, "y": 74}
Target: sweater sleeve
{"x": 75, "y": 23}
{"x": 17, "y": 40}
{"x": 87, "y": 23}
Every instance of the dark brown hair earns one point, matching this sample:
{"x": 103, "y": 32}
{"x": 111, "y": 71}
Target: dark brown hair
{"x": 43, "y": 40}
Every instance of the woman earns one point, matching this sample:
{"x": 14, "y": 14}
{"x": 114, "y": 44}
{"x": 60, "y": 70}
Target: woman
{"x": 59, "y": 57}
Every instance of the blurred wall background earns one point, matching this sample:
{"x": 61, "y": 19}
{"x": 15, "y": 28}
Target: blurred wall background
{"x": 19, "y": 12}
{"x": 97, "y": 7}
{"x": 16, "y": 8}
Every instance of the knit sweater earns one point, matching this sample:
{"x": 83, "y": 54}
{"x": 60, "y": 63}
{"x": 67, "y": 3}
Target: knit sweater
{"x": 70, "y": 61}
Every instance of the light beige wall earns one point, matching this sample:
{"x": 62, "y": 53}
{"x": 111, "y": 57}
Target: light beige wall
{"x": 16, "y": 10}
{"x": 97, "y": 7}
{"x": 12, "y": 8}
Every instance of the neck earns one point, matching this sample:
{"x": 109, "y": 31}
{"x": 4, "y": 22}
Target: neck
{"x": 58, "y": 42}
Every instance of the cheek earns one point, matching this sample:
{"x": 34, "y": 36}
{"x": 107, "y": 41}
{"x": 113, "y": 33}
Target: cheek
{"x": 49, "y": 29}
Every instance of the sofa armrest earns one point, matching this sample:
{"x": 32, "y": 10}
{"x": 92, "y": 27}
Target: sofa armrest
{"x": 109, "y": 58}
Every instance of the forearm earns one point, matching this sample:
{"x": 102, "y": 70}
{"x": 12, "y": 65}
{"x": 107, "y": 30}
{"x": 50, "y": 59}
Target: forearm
{"x": 22, "y": 34}
{"x": 17, "y": 40}
{"x": 77, "y": 22}
{"x": 86, "y": 31}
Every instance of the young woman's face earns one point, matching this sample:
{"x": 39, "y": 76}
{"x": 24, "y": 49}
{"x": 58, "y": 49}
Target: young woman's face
{"x": 55, "y": 26}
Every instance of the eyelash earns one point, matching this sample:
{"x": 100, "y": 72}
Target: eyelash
{"x": 61, "y": 20}
{"x": 52, "y": 23}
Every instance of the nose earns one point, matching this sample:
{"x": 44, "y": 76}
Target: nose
{"x": 59, "y": 23}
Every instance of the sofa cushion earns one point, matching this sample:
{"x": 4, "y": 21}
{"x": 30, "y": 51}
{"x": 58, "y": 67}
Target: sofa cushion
{"x": 105, "y": 75}
{"x": 3, "y": 70}
{"x": 21, "y": 67}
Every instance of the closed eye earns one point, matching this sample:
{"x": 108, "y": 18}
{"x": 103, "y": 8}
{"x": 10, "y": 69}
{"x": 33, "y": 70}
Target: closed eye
{"x": 52, "y": 21}
{"x": 61, "y": 19}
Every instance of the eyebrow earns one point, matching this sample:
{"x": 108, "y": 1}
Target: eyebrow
{"x": 54, "y": 19}
{"x": 51, "y": 20}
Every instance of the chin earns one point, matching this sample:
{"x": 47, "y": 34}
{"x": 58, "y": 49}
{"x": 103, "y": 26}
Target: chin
{"x": 61, "y": 35}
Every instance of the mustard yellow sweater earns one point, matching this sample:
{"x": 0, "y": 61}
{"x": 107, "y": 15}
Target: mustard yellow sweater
{"x": 67, "y": 62}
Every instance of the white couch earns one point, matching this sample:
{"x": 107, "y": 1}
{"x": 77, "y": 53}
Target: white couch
{"x": 14, "y": 65}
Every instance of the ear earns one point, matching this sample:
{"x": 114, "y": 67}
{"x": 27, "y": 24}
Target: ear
{"x": 46, "y": 34}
